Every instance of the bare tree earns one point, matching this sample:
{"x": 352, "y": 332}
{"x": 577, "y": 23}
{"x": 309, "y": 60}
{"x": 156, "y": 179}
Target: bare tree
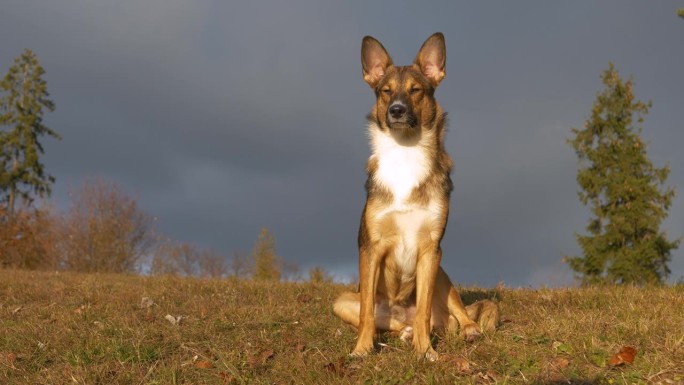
{"x": 28, "y": 241}
{"x": 318, "y": 274}
{"x": 291, "y": 271}
{"x": 240, "y": 266}
{"x": 212, "y": 264}
{"x": 184, "y": 259}
{"x": 173, "y": 258}
{"x": 104, "y": 230}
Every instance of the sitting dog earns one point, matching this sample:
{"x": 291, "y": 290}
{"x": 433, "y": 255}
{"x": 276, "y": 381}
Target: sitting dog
{"x": 402, "y": 285}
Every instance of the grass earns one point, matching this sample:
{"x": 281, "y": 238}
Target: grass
{"x": 66, "y": 328}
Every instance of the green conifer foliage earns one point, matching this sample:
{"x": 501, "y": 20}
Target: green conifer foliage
{"x": 23, "y": 98}
{"x": 619, "y": 183}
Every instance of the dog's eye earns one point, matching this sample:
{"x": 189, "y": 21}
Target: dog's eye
{"x": 414, "y": 90}
{"x": 386, "y": 91}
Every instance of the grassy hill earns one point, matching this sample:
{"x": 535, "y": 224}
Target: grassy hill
{"x": 66, "y": 328}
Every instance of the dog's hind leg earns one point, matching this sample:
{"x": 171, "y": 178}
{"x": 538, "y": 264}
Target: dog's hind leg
{"x": 446, "y": 293}
{"x": 348, "y": 306}
{"x": 485, "y": 313}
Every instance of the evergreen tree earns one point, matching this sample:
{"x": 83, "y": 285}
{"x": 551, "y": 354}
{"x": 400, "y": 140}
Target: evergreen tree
{"x": 21, "y": 109}
{"x": 267, "y": 265}
{"x": 620, "y": 184}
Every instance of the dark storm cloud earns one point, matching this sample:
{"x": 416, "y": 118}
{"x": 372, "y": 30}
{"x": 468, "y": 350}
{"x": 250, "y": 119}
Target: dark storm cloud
{"x": 224, "y": 118}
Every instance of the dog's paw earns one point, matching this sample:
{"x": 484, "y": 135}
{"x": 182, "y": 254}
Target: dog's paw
{"x": 471, "y": 332}
{"x": 356, "y": 354}
{"x": 362, "y": 350}
{"x": 431, "y": 355}
{"x": 406, "y": 335}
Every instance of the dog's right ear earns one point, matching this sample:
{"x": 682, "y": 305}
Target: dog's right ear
{"x": 375, "y": 61}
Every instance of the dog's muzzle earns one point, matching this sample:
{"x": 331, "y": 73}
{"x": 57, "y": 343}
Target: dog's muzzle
{"x": 398, "y": 114}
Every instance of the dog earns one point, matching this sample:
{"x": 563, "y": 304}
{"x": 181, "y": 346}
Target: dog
{"x": 402, "y": 287}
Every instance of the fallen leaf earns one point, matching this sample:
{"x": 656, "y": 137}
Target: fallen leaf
{"x": 624, "y": 356}
{"x": 81, "y": 309}
{"x": 8, "y": 358}
{"x": 174, "y": 320}
{"x": 489, "y": 377}
{"x": 17, "y": 310}
{"x": 461, "y": 364}
{"x": 560, "y": 363}
{"x": 266, "y": 354}
{"x": 226, "y": 377}
{"x": 340, "y": 368}
{"x": 304, "y": 298}
{"x": 204, "y": 365}
{"x": 146, "y": 302}
{"x": 330, "y": 367}
{"x": 260, "y": 358}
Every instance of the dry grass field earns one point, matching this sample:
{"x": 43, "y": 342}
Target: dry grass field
{"x": 65, "y": 328}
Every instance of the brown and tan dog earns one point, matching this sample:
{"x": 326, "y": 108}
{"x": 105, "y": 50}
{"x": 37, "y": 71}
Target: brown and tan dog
{"x": 402, "y": 286}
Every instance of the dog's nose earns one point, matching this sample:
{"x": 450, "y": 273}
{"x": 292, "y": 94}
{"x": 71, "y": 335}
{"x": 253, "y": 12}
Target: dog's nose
{"x": 397, "y": 110}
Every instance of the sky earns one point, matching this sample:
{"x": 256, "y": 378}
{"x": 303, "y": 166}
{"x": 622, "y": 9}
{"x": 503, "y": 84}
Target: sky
{"x": 223, "y": 117}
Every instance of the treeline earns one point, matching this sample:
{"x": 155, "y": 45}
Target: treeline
{"x": 104, "y": 230}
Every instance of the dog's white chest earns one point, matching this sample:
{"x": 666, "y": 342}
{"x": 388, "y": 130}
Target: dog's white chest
{"x": 400, "y": 168}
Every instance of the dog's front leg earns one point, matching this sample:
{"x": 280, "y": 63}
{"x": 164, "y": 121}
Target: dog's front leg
{"x": 426, "y": 274}
{"x": 369, "y": 271}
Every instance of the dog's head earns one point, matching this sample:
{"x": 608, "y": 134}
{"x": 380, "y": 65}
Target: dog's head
{"x": 405, "y": 100}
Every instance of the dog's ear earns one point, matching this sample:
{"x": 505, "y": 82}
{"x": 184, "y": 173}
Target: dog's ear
{"x": 431, "y": 58}
{"x": 375, "y": 60}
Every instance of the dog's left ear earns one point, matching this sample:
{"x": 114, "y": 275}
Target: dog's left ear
{"x": 431, "y": 58}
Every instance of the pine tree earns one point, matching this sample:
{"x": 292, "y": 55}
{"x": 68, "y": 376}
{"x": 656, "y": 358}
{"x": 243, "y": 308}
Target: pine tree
{"x": 622, "y": 187}
{"x": 21, "y": 108}
{"x": 267, "y": 264}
